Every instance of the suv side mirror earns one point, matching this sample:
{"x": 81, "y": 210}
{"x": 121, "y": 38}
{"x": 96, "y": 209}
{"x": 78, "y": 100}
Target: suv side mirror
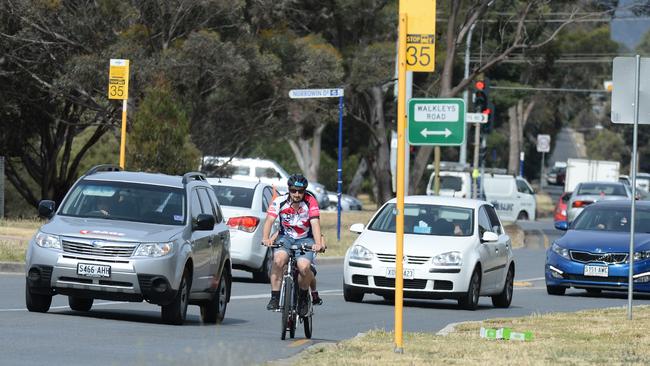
{"x": 204, "y": 222}
{"x": 46, "y": 208}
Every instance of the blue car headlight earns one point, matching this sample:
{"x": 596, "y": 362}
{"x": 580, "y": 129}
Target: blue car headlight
{"x": 360, "y": 253}
{"x": 562, "y": 252}
{"x": 639, "y": 256}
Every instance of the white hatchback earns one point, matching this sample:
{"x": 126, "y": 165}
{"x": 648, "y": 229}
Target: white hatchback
{"x": 244, "y": 205}
{"x": 454, "y": 248}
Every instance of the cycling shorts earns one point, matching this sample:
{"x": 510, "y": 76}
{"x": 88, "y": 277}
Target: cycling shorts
{"x": 288, "y": 241}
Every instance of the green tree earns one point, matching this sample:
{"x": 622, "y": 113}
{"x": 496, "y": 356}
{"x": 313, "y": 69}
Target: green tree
{"x": 159, "y": 139}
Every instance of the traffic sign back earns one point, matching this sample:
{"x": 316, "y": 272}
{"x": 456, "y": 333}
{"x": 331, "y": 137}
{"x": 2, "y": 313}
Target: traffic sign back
{"x": 436, "y": 121}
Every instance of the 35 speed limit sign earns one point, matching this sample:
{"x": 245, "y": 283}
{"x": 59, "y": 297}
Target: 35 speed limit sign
{"x": 118, "y": 79}
{"x": 420, "y": 34}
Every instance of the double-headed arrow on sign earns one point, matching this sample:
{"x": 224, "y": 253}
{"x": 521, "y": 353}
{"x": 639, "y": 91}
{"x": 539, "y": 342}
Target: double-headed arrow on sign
{"x": 426, "y": 133}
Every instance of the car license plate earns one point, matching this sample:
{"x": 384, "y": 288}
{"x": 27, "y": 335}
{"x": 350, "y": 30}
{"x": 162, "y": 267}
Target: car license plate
{"x": 93, "y": 270}
{"x": 408, "y": 273}
{"x": 597, "y": 271}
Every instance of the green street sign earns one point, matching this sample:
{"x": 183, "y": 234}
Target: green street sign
{"x": 436, "y": 121}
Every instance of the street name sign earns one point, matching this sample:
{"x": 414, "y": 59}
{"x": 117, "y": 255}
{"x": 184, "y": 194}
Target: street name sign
{"x": 543, "y": 143}
{"x": 436, "y": 121}
{"x": 623, "y": 90}
{"x": 420, "y": 34}
{"x": 476, "y": 118}
{"x": 118, "y": 79}
{"x": 315, "y": 93}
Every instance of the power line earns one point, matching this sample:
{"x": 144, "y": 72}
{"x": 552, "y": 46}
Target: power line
{"x": 549, "y": 89}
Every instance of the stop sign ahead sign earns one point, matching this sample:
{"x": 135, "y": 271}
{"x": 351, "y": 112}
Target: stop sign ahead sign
{"x": 543, "y": 143}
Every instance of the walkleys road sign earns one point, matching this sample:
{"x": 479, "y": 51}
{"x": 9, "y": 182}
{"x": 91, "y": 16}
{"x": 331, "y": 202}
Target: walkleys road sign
{"x": 436, "y": 121}
{"x": 315, "y": 93}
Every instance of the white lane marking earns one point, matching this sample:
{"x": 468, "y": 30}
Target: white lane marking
{"x": 240, "y": 297}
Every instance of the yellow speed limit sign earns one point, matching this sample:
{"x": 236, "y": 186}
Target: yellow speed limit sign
{"x": 118, "y": 79}
{"x": 420, "y": 34}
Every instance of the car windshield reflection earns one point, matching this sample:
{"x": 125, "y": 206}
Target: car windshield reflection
{"x": 612, "y": 219}
{"x": 427, "y": 220}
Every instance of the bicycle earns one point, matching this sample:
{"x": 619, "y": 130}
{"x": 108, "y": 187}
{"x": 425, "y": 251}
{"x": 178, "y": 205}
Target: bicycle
{"x": 289, "y": 299}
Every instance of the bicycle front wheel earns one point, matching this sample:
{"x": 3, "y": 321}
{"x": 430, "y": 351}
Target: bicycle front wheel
{"x": 308, "y": 323}
{"x": 286, "y": 306}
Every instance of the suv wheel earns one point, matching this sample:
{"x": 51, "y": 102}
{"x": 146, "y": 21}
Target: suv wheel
{"x": 214, "y": 311}
{"x": 264, "y": 273}
{"x": 80, "y": 303}
{"x": 176, "y": 311}
{"x": 36, "y": 302}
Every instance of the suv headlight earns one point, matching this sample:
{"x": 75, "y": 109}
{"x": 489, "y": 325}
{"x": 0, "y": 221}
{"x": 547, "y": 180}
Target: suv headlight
{"x": 360, "y": 253}
{"x": 448, "y": 259}
{"x": 47, "y": 241}
{"x": 639, "y": 256}
{"x": 562, "y": 252}
{"x": 153, "y": 249}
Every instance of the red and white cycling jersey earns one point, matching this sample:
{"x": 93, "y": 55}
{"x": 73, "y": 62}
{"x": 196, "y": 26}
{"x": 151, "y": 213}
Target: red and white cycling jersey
{"x": 294, "y": 223}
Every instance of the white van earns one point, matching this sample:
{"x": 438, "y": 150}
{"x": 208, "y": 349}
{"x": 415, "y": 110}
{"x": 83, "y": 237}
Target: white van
{"x": 513, "y": 198}
{"x": 262, "y": 170}
{"x": 452, "y": 184}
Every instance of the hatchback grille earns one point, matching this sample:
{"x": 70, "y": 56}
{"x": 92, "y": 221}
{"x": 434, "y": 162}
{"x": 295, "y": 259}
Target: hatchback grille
{"x": 610, "y": 258}
{"x": 417, "y": 284}
{"x": 410, "y": 259}
{"x": 101, "y": 251}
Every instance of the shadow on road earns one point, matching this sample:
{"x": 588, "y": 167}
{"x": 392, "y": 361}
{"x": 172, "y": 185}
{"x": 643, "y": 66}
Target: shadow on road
{"x": 141, "y": 316}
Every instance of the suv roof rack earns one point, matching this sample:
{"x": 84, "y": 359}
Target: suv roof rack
{"x": 103, "y": 168}
{"x": 187, "y": 177}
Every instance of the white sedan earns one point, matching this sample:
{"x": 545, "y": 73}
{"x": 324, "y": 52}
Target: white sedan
{"x": 244, "y": 205}
{"x": 454, "y": 248}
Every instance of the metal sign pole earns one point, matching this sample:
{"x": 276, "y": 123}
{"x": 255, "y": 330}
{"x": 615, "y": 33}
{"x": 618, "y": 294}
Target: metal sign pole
{"x": 541, "y": 174}
{"x": 630, "y": 279}
{"x": 339, "y": 181}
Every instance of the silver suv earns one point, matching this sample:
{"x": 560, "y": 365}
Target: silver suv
{"x": 132, "y": 236}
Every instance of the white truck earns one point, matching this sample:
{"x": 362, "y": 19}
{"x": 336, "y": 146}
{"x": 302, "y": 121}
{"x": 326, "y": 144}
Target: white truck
{"x": 584, "y": 170}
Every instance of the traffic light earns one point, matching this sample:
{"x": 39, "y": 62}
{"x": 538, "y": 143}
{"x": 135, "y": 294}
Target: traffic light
{"x": 481, "y": 96}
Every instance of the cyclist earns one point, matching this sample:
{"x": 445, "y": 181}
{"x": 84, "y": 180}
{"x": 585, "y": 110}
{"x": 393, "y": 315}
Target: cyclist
{"x": 299, "y": 225}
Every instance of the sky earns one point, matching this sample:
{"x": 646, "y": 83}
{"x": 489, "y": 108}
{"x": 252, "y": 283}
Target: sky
{"x": 626, "y": 30}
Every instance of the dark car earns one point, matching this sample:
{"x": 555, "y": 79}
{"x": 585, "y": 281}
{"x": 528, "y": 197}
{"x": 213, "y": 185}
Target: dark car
{"x": 133, "y": 236}
{"x": 594, "y": 252}
{"x": 557, "y": 176}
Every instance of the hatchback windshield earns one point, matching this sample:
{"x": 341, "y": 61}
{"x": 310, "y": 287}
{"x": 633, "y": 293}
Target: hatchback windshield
{"x": 126, "y": 201}
{"x": 613, "y": 219}
{"x": 601, "y": 189}
{"x": 234, "y": 196}
{"x": 427, "y": 220}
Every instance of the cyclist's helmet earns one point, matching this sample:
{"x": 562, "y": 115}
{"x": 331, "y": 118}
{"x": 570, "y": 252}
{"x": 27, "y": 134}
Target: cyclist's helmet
{"x": 298, "y": 181}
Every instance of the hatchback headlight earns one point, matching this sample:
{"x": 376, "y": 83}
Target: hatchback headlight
{"x": 153, "y": 249}
{"x": 562, "y": 252}
{"x": 448, "y": 259}
{"x": 639, "y": 256}
{"x": 360, "y": 253}
{"x": 47, "y": 240}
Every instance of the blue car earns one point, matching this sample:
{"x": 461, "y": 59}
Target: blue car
{"x": 593, "y": 253}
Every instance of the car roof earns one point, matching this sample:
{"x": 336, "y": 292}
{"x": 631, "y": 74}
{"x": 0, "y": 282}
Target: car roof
{"x": 442, "y": 200}
{"x": 619, "y": 204}
{"x": 235, "y": 182}
{"x": 137, "y": 177}
{"x": 600, "y": 182}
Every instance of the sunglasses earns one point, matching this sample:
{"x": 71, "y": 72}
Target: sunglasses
{"x": 293, "y": 190}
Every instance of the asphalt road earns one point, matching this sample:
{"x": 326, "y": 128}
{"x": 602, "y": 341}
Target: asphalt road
{"x": 115, "y": 333}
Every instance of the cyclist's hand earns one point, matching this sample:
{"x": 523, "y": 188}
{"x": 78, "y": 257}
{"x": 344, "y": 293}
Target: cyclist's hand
{"x": 267, "y": 242}
{"x": 318, "y": 248}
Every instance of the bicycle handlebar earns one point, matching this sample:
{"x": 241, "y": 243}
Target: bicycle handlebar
{"x": 303, "y": 247}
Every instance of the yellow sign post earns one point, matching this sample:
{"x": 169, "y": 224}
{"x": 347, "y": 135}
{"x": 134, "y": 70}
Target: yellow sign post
{"x": 118, "y": 88}
{"x": 420, "y": 34}
{"x": 416, "y": 52}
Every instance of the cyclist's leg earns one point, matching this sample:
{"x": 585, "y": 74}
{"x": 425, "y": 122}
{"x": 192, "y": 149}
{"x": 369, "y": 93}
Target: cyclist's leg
{"x": 280, "y": 259}
{"x": 315, "y": 297}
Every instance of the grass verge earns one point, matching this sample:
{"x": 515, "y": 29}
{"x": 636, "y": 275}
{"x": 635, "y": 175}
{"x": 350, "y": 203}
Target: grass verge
{"x": 328, "y": 222}
{"x": 14, "y": 236}
{"x": 593, "y": 337}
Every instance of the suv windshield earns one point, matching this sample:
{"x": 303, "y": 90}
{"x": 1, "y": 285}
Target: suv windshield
{"x": 126, "y": 201}
{"x": 427, "y": 220}
{"x": 451, "y": 182}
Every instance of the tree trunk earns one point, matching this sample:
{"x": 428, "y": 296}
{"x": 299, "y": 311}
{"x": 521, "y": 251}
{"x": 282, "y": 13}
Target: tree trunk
{"x": 357, "y": 179}
{"x": 380, "y": 165}
{"x": 513, "y": 155}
